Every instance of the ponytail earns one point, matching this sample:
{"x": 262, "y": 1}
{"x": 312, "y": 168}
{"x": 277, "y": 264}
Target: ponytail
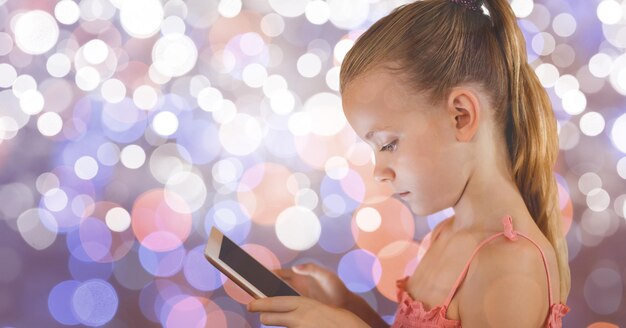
{"x": 531, "y": 134}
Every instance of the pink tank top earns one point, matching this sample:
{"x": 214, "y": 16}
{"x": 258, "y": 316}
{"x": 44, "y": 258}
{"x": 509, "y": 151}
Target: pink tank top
{"x": 411, "y": 313}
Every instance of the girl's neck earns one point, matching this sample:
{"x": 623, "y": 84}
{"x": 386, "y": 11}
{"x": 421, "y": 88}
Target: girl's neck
{"x": 489, "y": 195}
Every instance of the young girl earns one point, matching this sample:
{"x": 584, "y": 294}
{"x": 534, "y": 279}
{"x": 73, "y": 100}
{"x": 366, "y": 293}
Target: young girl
{"x": 457, "y": 118}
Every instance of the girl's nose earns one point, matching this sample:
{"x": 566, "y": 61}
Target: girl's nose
{"x": 383, "y": 173}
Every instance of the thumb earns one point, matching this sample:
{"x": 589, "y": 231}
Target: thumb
{"x": 309, "y": 269}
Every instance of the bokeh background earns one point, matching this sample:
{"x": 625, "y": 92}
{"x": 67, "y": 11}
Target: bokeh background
{"x": 128, "y": 128}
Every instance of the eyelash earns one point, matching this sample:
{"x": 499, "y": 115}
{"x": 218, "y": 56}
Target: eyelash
{"x": 390, "y": 146}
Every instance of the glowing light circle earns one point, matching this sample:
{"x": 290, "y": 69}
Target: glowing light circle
{"x": 156, "y": 224}
{"x": 94, "y": 302}
{"x": 36, "y": 32}
{"x": 141, "y": 18}
{"x": 298, "y": 228}
{"x": 174, "y": 55}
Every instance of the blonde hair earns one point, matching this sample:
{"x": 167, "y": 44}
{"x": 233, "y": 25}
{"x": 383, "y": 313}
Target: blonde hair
{"x": 437, "y": 45}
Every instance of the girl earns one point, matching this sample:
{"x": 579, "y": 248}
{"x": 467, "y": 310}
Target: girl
{"x": 457, "y": 118}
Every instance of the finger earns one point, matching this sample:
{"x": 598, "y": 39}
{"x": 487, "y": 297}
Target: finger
{"x": 311, "y": 269}
{"x": 275, "y": 304}
{"x": 284, "y": 273}
{"x": 277, "y": 319}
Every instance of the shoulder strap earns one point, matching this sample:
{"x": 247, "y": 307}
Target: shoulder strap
{"x": 511, "y": 234}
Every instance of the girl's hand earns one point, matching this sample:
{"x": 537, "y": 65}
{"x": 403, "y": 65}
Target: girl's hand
{"x": 318, "y": 283}
{"x": 302, "y": 312}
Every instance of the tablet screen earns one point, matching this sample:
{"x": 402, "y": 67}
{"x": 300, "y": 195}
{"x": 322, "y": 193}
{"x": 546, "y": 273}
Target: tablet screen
{"x": 253, "y": 271}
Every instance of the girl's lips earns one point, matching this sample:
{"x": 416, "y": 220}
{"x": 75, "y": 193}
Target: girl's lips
{"x": 403, "y": 194}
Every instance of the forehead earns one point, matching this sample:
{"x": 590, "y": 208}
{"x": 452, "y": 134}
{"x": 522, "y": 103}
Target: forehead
{"x": 380, "y": 97}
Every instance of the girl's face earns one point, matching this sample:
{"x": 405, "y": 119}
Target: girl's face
{"x": 414, "y": 142}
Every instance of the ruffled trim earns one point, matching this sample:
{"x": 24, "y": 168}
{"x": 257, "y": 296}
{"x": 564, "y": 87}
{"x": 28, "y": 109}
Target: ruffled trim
{"x": 413, "y": 311}
{"x": 557, "y": 312}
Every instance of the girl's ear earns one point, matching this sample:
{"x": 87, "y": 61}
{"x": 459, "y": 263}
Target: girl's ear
{"x": 464, "y": 108}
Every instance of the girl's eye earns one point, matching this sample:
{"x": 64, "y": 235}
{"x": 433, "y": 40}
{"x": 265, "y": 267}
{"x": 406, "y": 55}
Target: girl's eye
{"x": 390, "y": 146}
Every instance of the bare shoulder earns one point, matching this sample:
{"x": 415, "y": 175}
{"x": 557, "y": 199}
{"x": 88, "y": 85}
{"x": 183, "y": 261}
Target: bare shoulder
{"x": 506, "y": 286}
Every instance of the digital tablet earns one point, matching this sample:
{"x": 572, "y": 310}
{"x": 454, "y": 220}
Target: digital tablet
{"x": 243, "y": 269}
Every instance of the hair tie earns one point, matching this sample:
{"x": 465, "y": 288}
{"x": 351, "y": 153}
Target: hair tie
{"x": 474, "y": 5}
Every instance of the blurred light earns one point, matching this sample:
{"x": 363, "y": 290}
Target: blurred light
{"x": 67, "y": 12}
{"x": 227, "y": 170}
{"x": 117, "y": 219}
{"x": 618, "y": 133}
{"x": 272, "y": 25}
{"x": 598, "y": 200}
{"x": 621, "y": 167}
{"x": 94, "y": 302}
{"x": 360, "y": 269}
{"x": 162, "y": 264}
{"x": 113, "y": 90}
{"x": 86, "y": 167}
{"x": 49, "y": 124}
{"x": 199, "y": 273}
{"x": 326, "y": 114}
{"x": 548, "y": 74}
{"x": 190, "y": 187}
{"x": 133, "y": 156}
{"x": 36, "y": 32}
{"x": 241, "y": 136}
{"x": 46, "y": 181}
{"x": 254, "y": 75}
{"x": 210, "y": 99}
{"x": 298, "y": 228}
{"x": 23, "y": 83}
{"x": 568, "y": 136}
{"x": 60, "y": 300}
{"x": 174, "y": 54}
{"x": 564, "y": 25}
{"x": 288, "y": 8}
{"x": 592, "y": 124}
{"x": 282, "y": 101}
{"x": 8, "y": 74}
{"x": 173, "y": 25}
{"x": 522, "y": 8}
{"x": 600, "y": 65}
{"x": 348, "y": 15}
{"x": 31, "y": 102}
{"x": 603, "y": 290}
{"x": 157, "y": 224}
{"x": 55, "y": 199}
{"x": 145, "y": 97}
{"x": 588, "y": 182}
{"x": 574, "y": 102}
{"x": 332, "y": 78}
{"x": 59, "y": 65}
{"x": 165, "y": 123}
{"x": 336, "y": 167}
{"x": 87, "y": 78}
{"x": 317, "y": 12}
{"x": 368, "y": 219}
{"x": 307, "y": 198}
{"x": 229, "y": 8}
{"x": 309, "y": 65}
{"x": 543, "y": 43}
{"x": 38, "y": 228}
{"x": 609, "y": 12}
{"x": 188, "y": 311}
{"x": 341, "y": 49}
{"x": 95, "y": 51}
{"x": 6, "y": 43}
{"x": 108, "y": 154}
{"x": 141, "y": 18}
